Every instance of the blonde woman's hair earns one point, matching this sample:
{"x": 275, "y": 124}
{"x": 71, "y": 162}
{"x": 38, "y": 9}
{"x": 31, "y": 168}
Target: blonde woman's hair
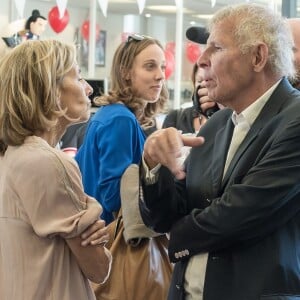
{"x": 121, "y": 90}
{"x": 30, "y": 77}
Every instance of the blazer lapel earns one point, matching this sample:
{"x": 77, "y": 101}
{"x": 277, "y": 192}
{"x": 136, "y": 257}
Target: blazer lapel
{"x": 270, "y": 110}
{"x": 242, "y": 148}
{"x": 221, "y": 144}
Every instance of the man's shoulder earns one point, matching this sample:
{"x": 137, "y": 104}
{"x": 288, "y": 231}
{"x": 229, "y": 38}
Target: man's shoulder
{"x": 180, "y": 113}
{"x": 222, "y": 115}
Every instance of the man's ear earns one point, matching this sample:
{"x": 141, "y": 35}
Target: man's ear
{"x": 260, "y": 56}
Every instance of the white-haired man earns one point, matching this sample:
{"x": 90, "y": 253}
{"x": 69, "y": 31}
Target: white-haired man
{"x": 233, "y": 212}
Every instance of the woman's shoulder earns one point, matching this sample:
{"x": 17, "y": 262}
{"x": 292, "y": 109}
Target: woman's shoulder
{"x": 113, "y": 111}
{"x": 37, "y": 158}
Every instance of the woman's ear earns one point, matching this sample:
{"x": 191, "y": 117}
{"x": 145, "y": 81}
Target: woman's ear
{"x": 125, "y": 74}
{"x": 260, "y": 55}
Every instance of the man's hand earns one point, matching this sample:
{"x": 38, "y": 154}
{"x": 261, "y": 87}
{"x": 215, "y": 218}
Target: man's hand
{"x": 165, "y": 147}
{"x": 204, "y": 101}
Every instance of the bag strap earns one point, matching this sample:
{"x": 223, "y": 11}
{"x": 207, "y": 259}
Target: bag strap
{"x": 117, "y": 227}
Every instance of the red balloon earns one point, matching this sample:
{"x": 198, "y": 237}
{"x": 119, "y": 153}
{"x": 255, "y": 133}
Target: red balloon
{"x": 192, "y": 51}
{"x": 170, "y": 63}
{"x": 171, "y": 47}
{"x": 85, "y": 30}
{"x": 57, "y": 24}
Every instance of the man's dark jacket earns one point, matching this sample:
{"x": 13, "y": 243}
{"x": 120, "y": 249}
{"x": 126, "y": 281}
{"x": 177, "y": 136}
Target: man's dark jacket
{"x": 249, "y": 222}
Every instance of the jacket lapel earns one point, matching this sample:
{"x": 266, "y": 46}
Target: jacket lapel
{"x": 271, "y": 109}
{"x": 221, "y": 144}
{"x": 242, "y": 148}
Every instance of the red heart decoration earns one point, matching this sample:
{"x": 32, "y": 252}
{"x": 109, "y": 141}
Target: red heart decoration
{"x": 170, "y": 63}
{"x": 170, "y": 46}
{"x": 193, "y": 52}
{"x": 57, "y": 24}
{"x": 85, "y": 30}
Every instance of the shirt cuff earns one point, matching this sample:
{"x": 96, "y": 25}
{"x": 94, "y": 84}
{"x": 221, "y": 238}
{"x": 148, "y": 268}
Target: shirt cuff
{"x": 150, "y": 176}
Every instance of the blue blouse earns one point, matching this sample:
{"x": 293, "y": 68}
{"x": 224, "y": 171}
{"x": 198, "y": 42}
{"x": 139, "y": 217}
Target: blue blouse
{"x": 114, "y": 140}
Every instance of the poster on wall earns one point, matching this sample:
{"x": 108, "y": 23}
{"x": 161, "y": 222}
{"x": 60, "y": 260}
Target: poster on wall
{"x": 100, "y": 51}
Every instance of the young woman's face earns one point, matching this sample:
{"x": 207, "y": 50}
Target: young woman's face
{"x": 74, "y": 95}
{"x": 148, "y": 73}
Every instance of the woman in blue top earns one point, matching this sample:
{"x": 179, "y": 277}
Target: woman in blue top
{"x": 115, "y": 135}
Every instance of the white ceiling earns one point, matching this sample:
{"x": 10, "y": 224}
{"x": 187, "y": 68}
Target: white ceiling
{"x": 192, "y": 8}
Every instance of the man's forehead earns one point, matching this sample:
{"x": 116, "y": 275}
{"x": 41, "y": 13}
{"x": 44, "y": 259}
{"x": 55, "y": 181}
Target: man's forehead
{"x": 220, "y": 32}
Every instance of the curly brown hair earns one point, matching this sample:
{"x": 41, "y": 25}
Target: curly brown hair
{"x": 121, "y": 90}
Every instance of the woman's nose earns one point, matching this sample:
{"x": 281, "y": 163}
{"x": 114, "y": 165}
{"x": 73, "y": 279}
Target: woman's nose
{"x": 89, "y": 90}
{"x": 161, "y": 74}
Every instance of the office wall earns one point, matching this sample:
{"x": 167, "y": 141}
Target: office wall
{"x": 113, "y": 25}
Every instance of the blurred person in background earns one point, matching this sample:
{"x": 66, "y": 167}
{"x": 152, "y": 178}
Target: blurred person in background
{"x": 294, "y": 25}
{"x": 34, "y": 27}
{"x": 190, "y": 119}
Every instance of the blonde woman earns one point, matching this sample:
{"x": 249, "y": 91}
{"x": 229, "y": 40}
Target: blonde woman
{"x": 52, "y": 240}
